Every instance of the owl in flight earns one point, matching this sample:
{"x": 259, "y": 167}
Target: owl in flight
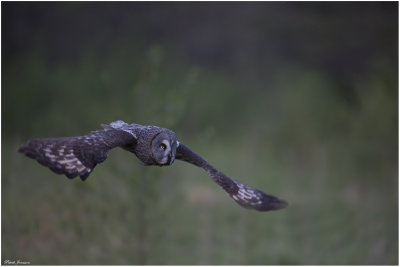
{"x": 153, "y": 145}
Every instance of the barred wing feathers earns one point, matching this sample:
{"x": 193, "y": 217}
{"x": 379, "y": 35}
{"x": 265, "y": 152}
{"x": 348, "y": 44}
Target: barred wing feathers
{"x": 242, "y": 194}
{"x": 79, "y": 155}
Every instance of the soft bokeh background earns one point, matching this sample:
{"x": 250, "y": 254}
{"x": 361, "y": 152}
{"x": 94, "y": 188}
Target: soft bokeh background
{"x": 298, "y": 99}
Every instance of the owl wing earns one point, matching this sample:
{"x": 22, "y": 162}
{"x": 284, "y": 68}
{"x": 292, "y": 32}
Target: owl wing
{"x": 242, "y": 194}
{"x": 79, "y": 155}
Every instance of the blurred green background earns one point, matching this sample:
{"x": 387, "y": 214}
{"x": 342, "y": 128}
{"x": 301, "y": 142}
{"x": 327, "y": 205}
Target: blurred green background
{"x": 297, "y": 99}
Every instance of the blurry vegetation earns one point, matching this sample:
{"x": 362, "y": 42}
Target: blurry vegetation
{"x": 315, "y": 124}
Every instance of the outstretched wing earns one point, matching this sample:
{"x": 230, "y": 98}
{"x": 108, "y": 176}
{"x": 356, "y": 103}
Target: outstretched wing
{"x": 242, "y": 194}
{"x": 79, "y": 155}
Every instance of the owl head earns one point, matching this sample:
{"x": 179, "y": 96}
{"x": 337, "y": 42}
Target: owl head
{"x": 163, "y": 148}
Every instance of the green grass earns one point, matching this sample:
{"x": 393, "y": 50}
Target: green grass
{"x": 334, "y": 161}
{"x": 129, "y": 214}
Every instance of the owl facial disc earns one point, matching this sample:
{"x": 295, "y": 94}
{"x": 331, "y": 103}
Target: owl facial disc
{"x": 162, "y": 150}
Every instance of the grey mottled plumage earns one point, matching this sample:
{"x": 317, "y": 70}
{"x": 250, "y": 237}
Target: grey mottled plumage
{"x": 77, "y": 156}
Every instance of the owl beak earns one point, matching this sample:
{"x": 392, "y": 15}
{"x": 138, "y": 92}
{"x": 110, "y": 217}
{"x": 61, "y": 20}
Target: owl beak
{"x": 171, "y": 158}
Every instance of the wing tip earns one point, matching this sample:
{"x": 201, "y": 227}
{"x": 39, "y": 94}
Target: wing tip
{"x": 85, "y": 176}
{"x": 27, "y": 150}
{"x": 22, "y": 148}
{"x": 30, "y": 150}
{"x": 273, "y": 204}
{"x": 263, "y": 202}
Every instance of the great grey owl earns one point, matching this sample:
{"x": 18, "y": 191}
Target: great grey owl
{"x": 153, "y": 145}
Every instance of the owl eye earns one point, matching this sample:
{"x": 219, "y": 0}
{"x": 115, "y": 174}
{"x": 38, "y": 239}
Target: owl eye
{"x": 163, "y": 146}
